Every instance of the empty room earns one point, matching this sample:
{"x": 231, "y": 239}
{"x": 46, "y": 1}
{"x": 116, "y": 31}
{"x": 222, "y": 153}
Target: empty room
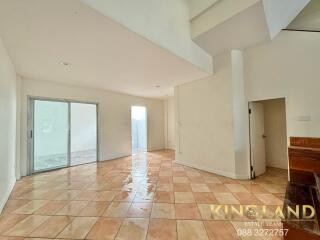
{"x": 159, "y": 120}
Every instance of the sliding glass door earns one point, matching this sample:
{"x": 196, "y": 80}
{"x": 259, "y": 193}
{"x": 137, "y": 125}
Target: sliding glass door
{"x": 51, "y": 135}
{"x": 61, "y": 134}
{"x": 83, "y": 133}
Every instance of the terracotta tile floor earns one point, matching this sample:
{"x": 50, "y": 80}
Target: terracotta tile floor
{"x": 146, "y": 196}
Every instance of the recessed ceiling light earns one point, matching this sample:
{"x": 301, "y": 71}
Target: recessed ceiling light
{"x": 65, "y": 63}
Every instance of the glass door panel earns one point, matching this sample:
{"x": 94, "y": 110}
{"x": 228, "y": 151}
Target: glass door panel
{"x": 83, "y": 133}
{"x": 138, "y": 129}
{"x": 51, "y": 130}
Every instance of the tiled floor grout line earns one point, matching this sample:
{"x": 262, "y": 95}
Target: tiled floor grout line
{"x": 91, "y": 228}
{"x": 115, "y": 236}
{"x": 159, "y": 170}
{"x": 62, "y": 229}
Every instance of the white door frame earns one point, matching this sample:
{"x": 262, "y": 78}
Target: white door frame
{"x": 249, "y": 143}
{"x": 257, "y": 139}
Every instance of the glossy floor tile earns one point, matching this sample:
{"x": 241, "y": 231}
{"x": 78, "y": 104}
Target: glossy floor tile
{"x": 133, "y": 228}
{"x": 105, "y": 228}
{"x": 163, "y": 210}
{"x": 78, "y": 228}
{"x": 145, "y": 196}
{"x": 51, "y": 227}
{"x": 189, "y": 230}
{"x": 162, "y": 229}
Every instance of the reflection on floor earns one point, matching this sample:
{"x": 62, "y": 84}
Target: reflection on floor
{"x": 146, "y": 196}
{"x": 58, "y": 160}
{"x": 82, "y": 157}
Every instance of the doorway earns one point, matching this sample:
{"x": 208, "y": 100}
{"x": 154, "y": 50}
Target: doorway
{"x": 268, "y": 135}
{"x": 138, "y": 129}
{"x": 61, "y": 133}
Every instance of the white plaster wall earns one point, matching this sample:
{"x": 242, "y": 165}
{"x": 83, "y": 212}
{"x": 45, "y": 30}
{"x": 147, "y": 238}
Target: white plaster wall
{"x": 240, "y": 116}
{"x": 277, "y": 14}
{"x": 288, "y": 67}
{"x": 217, "y": 14}
{"x": 8, "y": 106}
{"x": 196, "y": 7}
{"x": 18, "y": 126}
{"x": 204, "y": 119}
{"x": 164, "y": 22}
{"x": 169, "y": 111}
{"x": 215, "y": 108}
{"x": 308, "y": 18}
{"x": 280, "y": 13}
{"x": 114, "y": 117}
{"x": 276, "y": 132}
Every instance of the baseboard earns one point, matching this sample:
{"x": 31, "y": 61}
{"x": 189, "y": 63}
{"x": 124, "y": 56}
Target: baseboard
{"x": 6, "y": 196}
{"x": 222, "y": 173}
{"x": 242, "y": 177}
{"x": 277, "y": 167}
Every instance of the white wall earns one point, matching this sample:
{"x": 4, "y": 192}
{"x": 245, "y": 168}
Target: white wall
{"x": 211, "y": 114}
{"x": 196, "y": 7}
{"x": 217, "y": 14}
{"x": 276, "y": 14}
{"x": 276, "y": 132}
{"x": 280, "y": 13}
{"x": 240, "y": 116}
{"x": 288, "y": 67}
{"x": 213, "y": 117}
{"x": 204, "y": 119}
{"x": 169, "y": 112}
{"x": 164, "y": 22}
{"x": 308, "y": 18}
{"x": 18, "y": 126}
{"x": 114, "y": 117}
{"x": 8, "y": 106}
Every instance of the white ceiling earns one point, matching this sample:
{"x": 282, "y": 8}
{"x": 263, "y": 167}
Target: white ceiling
{"x": 242, "y": 30}
{"x": 40, "y": 34}
{"x": 165, "y": 23}
{"x": 260, "y": 21}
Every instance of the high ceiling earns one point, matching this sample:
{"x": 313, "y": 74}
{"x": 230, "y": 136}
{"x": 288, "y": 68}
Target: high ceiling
{"x": 68, "y": 42}
{"x": 231, "y": 24}
{"x": 243, "y": 29}
{"x": 308, "y": 19}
